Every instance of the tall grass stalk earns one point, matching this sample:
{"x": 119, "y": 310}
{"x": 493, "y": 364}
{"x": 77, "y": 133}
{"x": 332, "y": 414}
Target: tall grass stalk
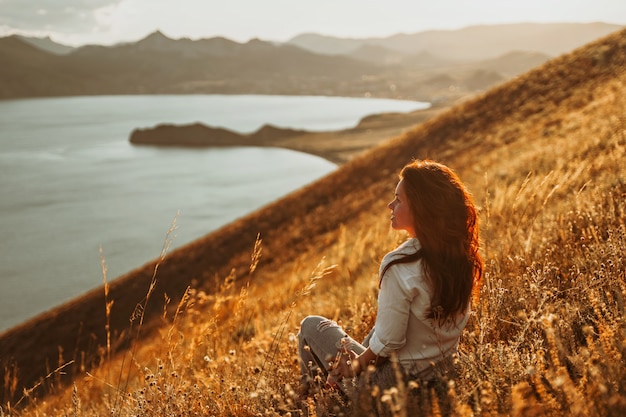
{"x": 137, "y": 316}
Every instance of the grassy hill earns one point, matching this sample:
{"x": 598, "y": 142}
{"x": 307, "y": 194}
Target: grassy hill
{"x": 209, "y": 328}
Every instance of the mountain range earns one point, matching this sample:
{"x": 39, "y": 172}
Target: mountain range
{"x": 429, "y": 66}
{"x": 472, "y": 43}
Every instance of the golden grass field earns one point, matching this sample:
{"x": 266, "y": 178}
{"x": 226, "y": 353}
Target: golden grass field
{"x": 544, "y": 157}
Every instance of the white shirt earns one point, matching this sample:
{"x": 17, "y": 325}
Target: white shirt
{"x": 402, "y": 325}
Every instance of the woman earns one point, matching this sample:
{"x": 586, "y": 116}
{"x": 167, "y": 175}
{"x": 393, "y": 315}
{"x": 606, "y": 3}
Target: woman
{"x": 426, "y": 285}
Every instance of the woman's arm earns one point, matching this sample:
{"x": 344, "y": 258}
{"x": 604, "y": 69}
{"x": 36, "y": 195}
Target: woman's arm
{"x": 362, "y": 361}
{"x": 397, "y": 292}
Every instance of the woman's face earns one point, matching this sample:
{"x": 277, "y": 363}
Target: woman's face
{"x": 401, "y": 215}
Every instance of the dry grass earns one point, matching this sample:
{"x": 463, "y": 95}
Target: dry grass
{"x": 548, "y": 334}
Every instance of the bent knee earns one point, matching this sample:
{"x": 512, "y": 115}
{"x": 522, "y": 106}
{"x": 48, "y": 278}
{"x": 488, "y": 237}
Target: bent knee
{"x": 315, "y": 324}
{"x": 311, "y": 323}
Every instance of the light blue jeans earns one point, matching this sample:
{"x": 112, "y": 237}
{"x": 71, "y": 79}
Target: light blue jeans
{"x": 319, "y": 340}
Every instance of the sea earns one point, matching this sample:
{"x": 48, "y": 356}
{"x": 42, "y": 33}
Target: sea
{"x": 76, "y": 195}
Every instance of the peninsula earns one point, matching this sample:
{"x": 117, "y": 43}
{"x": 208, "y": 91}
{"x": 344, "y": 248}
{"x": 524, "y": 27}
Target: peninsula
{"x": 335, "y": 146}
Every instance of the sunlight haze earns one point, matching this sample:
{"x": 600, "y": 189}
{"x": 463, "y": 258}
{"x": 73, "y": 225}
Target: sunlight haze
{"x": 106, "y": 22}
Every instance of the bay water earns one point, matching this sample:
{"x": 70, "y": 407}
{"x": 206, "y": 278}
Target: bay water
{"x": 73, "y": 190}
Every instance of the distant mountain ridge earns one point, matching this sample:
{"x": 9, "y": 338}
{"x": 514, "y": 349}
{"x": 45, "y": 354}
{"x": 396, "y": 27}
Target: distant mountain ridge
{"x": 47, "y": 44}
{"x": 159, "y": 65}
{"x": 470, "y": 43}
{"x": 426, "y": 66}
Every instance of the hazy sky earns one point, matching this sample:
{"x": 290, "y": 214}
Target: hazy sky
{"x": 77, "y": 22}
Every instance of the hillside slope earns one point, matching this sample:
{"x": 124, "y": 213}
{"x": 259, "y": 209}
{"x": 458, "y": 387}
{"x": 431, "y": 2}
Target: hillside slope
{"x": 527, "y": 124}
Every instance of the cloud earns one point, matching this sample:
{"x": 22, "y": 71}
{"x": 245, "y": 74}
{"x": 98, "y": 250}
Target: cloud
{"x": 54, "y": 15}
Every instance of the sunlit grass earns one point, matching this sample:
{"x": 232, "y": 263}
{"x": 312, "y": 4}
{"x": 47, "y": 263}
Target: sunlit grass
{"x": 546, "y": 338}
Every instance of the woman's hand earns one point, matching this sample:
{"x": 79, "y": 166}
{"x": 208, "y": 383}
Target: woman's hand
{"x": 342, "y": 367}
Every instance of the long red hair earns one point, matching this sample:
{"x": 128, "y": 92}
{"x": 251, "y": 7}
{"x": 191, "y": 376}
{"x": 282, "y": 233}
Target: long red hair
{"x": 446, "y": 225}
